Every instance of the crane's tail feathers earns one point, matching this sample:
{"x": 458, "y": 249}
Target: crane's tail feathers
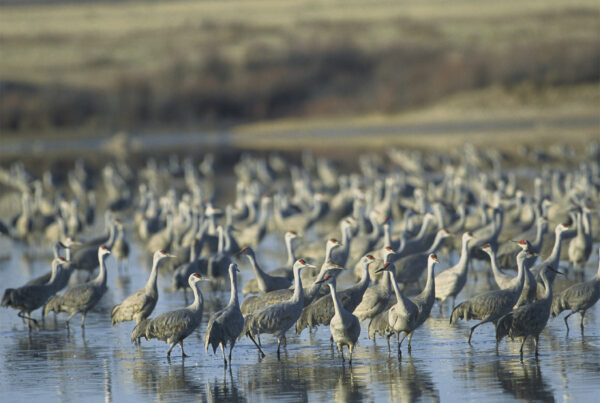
{"x": 461, "y": 311}
{"x": 114, "y": 315}
{"x": 7, "y": 297}
{"x": 53, "y": 304}
{"x": 140, "y": 330}
{"x": 503, "y": 327}
{"x": 558, "y": 305}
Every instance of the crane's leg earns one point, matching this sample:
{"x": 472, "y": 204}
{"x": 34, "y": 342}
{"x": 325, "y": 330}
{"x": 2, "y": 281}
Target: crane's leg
{"x": 535, "y": 341}
{"x": 170, "y": 349}
{"x": 83, "y": 319}
{"x": 223, "y": 351}
{"x": 183, "y": 354}
{"x": 351, "y": 349}
{"x": 278, "y": 348}
{"x": 341, "y": 350}
{"x": 331, "y": 341}
{"x": 284, "y": 341}
{"x": 388, "y": 343}
{"x": 473, "y": 329}
{"x": 230, "y": 350}
{"x": 27, "y": 318}
{"x": 69, "y": 319}
{"x": 581, "y": 323}
{"x": 521, "y": 350}
{"x": 256, "y": 344}
{"x": 567, "y": 323}
{"x": 410, "y": 336}
{"x": 258, "y": 337}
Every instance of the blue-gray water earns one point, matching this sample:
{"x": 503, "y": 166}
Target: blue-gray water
{"x": 101, "y": 364}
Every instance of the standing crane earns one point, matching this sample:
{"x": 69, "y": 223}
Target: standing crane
{"x": 528, "y": 320}
{"x": 83, "y": 297}
{"x": 276, "y": 319}
{"x": 174, "y": 326}
{"x": 450, "y": 282}
{"x": 491, "y": 306}
{"x": 321, "y": 311}
{"x": 578, "y": 298}
{"x": 139, "y": 305}
{"x": 344, "y": 326}
{"x": 265, "y": 281}
{"x": 28, "y": 298}
{"x": 226, "y": 325}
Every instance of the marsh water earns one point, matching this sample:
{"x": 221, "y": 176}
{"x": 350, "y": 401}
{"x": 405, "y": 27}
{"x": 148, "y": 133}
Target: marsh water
{"x": 101, "y": 364}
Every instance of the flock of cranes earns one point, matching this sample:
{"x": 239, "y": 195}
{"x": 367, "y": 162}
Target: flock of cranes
{"x": 396, "y": 221}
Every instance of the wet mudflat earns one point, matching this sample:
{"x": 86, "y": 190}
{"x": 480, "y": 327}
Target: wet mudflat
{"x": 101, "y": 364}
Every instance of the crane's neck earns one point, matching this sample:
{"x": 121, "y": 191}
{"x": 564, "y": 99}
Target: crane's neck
{"x": 387, "y": 234}
{"x": 366, "y": 278}
{"x": 54, "y": 271}
{"x": 336, "y": 301}
{"x": 539, "y": 236}
{"x": 437, "y": 242}
{"x": 424, "y": 227}
{"x": 429, "y": 290}
{"x": 198, "y": 298}
{"x": 463, "y": 262}
{"x": 101, "y": 278}
{"x": 547, "y": 297}
{"x": 298, "y": 296}
{"x": 233, "y": 298}
{"x": 289, "y": 246}
{"x": 221, "y": 240}
{"x": 554, "y": 257}
{"x": 494, "y": 263}
{"x": 151, "y": 283}
{"x": 346, "y": 237}
{"x": 258, "y": 272}
{"x": 193, "y": 252}
{"x": 391, "y": 279}
{"x": 520, "y": 273}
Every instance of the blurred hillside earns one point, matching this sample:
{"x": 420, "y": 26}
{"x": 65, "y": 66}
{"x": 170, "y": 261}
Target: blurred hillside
{"x": 106, "y": 66}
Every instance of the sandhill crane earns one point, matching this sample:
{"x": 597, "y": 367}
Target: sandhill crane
{"x": 83, "y": 297}
{"x": 276, "y": 319}
{"x": 251, "y": 287}
{"x": 139, "y": 305}
{"x": 226, "y": 325}
{"x": 256, "y": 302}
{"x": 410, "y": 268}
{"x": 265, "y": 281}
{"x": 321, "y": 311}
{"x": 491, "y": 306}
{"x": 344, "y": 326}
{"x": 174, "y": 326}
{"x": 28, "y": 298}
{"x": 578, "y": 298}
{"x": 120, "y": 248}
{"x": 552, "y": 260}
{"x": 450, "y": 282}
{"x": 505, "y": 281}
{"x": 580, "y": 247}
{"x": 528, "y": 320}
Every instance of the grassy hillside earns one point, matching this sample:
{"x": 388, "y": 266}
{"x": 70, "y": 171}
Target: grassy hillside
{"x": 115, "y": 65}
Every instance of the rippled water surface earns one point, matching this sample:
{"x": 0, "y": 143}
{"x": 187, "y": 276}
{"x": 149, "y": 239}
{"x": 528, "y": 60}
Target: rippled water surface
{"x": 52, "y": 364}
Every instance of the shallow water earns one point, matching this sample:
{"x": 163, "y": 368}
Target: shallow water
{"x": 100, "y": 363}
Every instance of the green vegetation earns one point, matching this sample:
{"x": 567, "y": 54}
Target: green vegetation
{"x": 134, "y": 65}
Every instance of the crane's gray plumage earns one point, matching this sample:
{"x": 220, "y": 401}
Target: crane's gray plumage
{"x": 265, "y": 281}
{"x": 28, "y": 298}
{"x": 276, "y": 319}
{"x": 226, "y": 325}
{"x": 344, "y": 326}
{"x": 529, "y": 319}
{"x": 450, "y": 282}
{"x": 139, "y": 305}
{"x": 256, "y": 302}
{"x": 174, "y": 326}
{"x": 83, "y": 297}
{"x": 578, "y": 298}
{"x": 491, "y": 306}
{"x": 321, "y": 311}
{"x": 251, "y": 287}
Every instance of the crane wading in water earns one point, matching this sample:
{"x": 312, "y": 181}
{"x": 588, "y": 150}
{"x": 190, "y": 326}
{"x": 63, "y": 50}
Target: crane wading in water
{"x": 174, "y": 326}
{"x": 226, "y": 325}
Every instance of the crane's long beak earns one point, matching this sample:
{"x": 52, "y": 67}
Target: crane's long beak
{"x": 555, "y": 271}
{"x": 171, "y": 255}
{"x": 380, "y": 270}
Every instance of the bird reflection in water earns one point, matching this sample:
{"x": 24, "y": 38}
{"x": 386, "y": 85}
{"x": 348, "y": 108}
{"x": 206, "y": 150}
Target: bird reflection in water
{"x": 522, "y": 379}
{"x": 224, "y": 390}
